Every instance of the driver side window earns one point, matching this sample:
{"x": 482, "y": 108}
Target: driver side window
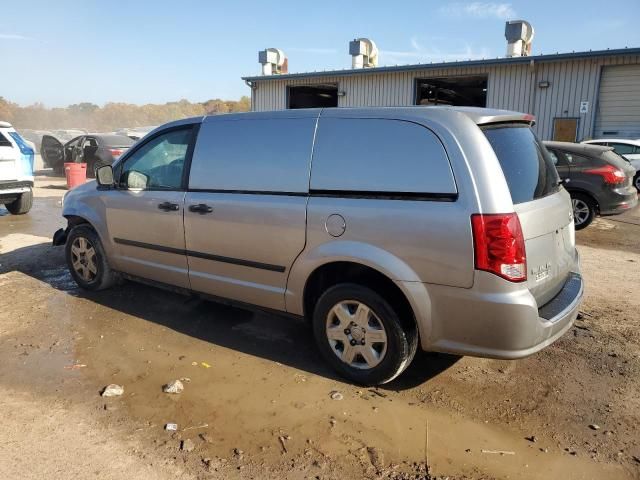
{"x": 159, "y": 163}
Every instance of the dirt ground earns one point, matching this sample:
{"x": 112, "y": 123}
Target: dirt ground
{"x": 257, "y": 400}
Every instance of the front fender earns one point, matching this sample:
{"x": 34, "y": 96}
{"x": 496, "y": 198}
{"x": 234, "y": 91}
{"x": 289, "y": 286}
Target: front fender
{"x": 82, "y": 202}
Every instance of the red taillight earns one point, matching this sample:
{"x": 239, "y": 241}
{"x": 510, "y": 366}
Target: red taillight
{"x": 499, "y": 245}
{"x": 115, "y": 152}
{"x": 609, "y": 174}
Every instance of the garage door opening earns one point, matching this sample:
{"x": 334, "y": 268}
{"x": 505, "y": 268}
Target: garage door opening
{"x": 313, "y": 96}
{"x": 618, "y": 108}
{"x": 466, "y": 91}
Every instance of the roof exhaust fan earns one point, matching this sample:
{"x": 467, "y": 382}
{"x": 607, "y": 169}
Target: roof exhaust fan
{"x": 364, "y": 53}
{"x": 274, "y": 61}
{"x": 519, "y": 35}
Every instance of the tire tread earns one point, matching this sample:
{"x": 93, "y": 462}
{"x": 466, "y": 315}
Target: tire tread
{"x": 22, "y": 204}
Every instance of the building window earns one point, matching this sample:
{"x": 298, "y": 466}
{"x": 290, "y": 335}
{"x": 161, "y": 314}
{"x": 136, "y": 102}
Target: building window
{"x": 467, "y": 91}
{"x": 313, "y": 96}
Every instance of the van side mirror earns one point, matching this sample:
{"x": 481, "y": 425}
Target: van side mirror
{"x": 104, "y": 176}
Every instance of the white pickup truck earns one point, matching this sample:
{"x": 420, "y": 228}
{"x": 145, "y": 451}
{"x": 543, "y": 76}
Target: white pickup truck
{"x": 16, "y": 171}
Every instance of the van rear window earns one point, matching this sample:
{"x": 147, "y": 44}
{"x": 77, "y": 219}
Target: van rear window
{"x": 525, "y": 162}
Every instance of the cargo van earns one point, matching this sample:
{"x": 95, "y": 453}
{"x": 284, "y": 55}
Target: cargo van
{"x": 389, "y": 229}
{"x": 16, "y": 171}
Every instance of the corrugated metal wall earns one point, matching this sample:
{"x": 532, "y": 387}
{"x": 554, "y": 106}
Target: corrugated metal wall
{"x": 619, "y": 103}
{"x": 512, "y": 87}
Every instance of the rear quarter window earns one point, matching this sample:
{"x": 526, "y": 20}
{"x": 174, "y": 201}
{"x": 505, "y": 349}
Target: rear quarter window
{"x": 4, "y": 141}
{"x": 579, "y": 160}
{"x": 527, "y": 166}
{"x": 379, "y": 155}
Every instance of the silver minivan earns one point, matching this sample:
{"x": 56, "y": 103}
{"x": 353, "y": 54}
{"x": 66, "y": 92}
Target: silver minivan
{"x": 444, "y": 228}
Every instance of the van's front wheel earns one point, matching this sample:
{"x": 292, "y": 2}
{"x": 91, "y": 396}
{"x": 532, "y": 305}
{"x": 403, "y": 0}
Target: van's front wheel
{"x": 361, "y": 335}
{"x": 86, "y": 259}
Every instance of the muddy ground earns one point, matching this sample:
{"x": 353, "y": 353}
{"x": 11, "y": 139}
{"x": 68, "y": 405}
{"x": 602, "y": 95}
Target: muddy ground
{"x": 257, "y": 400}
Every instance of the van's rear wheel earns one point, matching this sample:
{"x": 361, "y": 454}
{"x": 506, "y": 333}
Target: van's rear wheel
{"x": 86, "y": 259}
{"x": 361, "y": 335}
{"x": 22, "y": 204}
{"x": 584, "y": 210}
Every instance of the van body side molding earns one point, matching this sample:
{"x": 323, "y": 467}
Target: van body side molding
{"x": 372, "y": 195}
{"x": 206, "y": 256}
{"x": 382, "y": 195}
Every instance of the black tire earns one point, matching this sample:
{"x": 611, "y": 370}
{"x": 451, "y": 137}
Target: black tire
{"x": 22, "y": 204}
{"x": 401, "y": 337}
{"x": 636, "y": 182}
{"x": 103, "y": 277}
{"x": 582, "y": 218}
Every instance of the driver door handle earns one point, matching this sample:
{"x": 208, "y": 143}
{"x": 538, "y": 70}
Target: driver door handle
{"x": 200, "y": 208}
{"x": 169, "y": 207}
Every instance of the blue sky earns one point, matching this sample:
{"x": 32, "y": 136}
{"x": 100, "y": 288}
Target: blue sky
{"x": 70, "y": 51}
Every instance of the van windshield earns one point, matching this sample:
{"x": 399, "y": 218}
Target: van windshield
{"x": 527, "y": 166}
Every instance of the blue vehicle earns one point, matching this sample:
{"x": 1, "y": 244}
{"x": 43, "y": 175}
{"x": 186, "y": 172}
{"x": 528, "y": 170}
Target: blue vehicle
{"x": 16, "y": 171}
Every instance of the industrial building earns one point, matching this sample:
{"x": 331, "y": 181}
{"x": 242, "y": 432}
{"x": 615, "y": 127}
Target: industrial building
{"x": 574, "y": 96}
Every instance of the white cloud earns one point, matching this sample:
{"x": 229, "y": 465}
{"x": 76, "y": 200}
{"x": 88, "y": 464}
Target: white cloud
{"x": 11, "y": 36}
{"x": 503, "y": 11}
{"x": 420, "y": 54}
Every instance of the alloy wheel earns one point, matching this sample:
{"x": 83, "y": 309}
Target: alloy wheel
{"x": 580, "y": 211}
{"x": 356, "y": 335}
{"x": 83, "y": 259}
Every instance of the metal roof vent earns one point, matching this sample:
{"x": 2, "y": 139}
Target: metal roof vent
{"x": 273, "y": 61}
{"x": 364, "y": 53}
{"x": 519, "y": 35}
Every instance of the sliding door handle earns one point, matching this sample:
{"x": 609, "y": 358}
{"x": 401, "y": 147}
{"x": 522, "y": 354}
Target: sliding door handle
{"x": 169, "y": 207}
{"x": 200, "y": 208}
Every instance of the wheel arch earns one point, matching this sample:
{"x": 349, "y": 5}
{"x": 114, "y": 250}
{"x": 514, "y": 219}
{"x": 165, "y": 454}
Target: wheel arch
{"x": 333, "y": 273}
{"x": 354, "y": 262}
{"x": 587, "y": 193}
{"x": 75, "y": 220}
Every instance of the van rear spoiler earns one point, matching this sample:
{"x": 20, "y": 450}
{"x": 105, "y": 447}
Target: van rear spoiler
{"x": 487, "y": 116}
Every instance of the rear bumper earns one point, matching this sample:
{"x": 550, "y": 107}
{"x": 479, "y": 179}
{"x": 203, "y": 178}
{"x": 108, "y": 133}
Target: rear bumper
{"x": 499, "y": 321}
{"x": 15, "y": 187}
{"x": 620, "y": 204}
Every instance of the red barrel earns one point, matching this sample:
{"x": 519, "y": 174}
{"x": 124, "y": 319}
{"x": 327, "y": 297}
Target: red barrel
{"x": 76, "y": 174}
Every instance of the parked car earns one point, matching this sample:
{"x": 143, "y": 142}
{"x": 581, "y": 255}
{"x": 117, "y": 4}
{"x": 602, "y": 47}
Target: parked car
{"x": 16, "y": 171}
{"x": 599, "y": 180}
{"x": 440, "y": 227}
{"x": 135, "y": 133}
{"x": 94, "y": 149}
{"x": 629, "y": 149}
